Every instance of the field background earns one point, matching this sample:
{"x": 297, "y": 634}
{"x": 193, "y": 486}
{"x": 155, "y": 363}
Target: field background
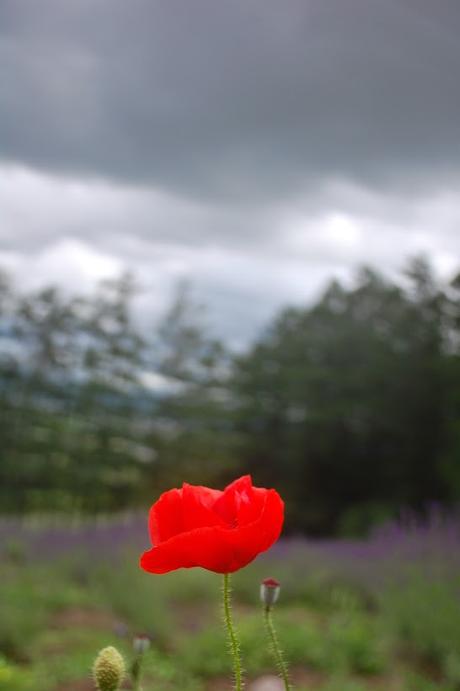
{"x": 380, "y": 613}
{"x": 349, "y": 407}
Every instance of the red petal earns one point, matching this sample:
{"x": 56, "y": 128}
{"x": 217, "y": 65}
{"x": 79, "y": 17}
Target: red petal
{"x": 234, "y": 495}
{"x": 256, "y": 537}
{"x": 220, "y": 549}
{"x": 205, "y": 547}
{"x": 166, "y": 517}
{"x": 250, "y": 508}
{"x": 198, "y": 503}
{"x": 180, "y": 510}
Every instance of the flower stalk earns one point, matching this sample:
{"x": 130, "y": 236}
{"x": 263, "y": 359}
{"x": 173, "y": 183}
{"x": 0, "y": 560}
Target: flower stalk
{"x": 136, "y": 673}
{"x": 269, "y": 592}
{"x": 234, "y": 645}
{"x": 141, "y": 644}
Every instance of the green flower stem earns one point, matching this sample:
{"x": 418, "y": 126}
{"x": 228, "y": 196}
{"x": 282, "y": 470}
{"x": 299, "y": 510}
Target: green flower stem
{"x": 232, "y": 639}
{"x": 275, "y": 646}
{"x": 136, "y": 673}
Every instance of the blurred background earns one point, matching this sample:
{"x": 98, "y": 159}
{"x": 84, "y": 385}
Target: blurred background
{"x": 229, "y": 244}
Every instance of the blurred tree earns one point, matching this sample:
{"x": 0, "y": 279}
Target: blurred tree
{"x": 39, "y": 329}
{"x": 45, "y": 328}
{"x": 110, "y": 398}
{"x": 350, "y": 406}
{"x": 184, "y": 349}
{"x": 113, "y": 347}
{"x": 72, "y": 439}
{"x": 450, "y": 466}
{"x": 343, "y": 403}
{"x": 194, "y": 435}
{"x": 8, "y": 356}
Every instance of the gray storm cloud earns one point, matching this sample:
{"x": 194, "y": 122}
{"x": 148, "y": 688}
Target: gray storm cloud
{"x": 240, "y": 99}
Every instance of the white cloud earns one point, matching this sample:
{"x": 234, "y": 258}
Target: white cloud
{"x": 68, "y": 262}
{"x": 75, "y": 232}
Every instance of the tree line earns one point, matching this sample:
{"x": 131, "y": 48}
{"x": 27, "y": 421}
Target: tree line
{"x": 349, "y": 406}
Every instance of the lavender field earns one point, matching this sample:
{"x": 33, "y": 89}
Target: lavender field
{"x": 431, "y": 546}
{"x": 381, "y": 612}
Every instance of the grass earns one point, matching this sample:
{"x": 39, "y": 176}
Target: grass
{"x": 337, "y": 634}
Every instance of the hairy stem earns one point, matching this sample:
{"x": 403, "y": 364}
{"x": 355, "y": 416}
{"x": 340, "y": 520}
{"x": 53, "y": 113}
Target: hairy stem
{"x": 232, "y": 638}
{"x": 136, "y": 673}
{"x": 275, "y": 646}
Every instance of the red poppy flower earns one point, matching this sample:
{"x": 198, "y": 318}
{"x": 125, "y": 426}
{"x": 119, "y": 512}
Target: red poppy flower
{"x": 219, "y": 531}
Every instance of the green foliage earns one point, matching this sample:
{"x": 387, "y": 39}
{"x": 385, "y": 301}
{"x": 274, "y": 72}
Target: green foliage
{"x": 22, "y": 615}
{"x": 418, "y": 682}
{"x": 56, "y": 616}
{"x": 350, "y": 644}
{"x": 133, "y": 596}
{"x": 422, "y": 613}
{"x": 358, "y": 642}
{"x": 14, "y": 678}
{"x": 341, "y": 684}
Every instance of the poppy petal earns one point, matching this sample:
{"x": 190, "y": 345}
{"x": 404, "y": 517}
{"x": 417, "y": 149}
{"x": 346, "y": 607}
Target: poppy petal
{"x": 205, "y": 547}
{"x": 219, "y": 549}
{"x": 166, "y": 517}
{"x": 218, "y": 531}
{"x": 198, "y": 503}
{"x": 229, "y": 502}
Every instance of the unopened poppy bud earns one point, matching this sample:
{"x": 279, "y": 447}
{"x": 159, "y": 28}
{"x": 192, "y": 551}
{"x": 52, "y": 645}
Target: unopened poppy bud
{"x": 269, "y": 591}
{"x": 108, "y": 669}
{"x": 141, "y": 643}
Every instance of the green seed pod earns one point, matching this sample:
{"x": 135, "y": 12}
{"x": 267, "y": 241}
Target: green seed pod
{"x": 108, "y": 669}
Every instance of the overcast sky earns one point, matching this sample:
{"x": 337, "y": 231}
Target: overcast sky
{"x": 255, "y": 147}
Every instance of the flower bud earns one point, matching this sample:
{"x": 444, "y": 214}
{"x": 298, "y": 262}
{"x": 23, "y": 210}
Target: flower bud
{"x": 269, "y": 591}
{"x": 141, "y": 643}
{"x": 108, "y": 669}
